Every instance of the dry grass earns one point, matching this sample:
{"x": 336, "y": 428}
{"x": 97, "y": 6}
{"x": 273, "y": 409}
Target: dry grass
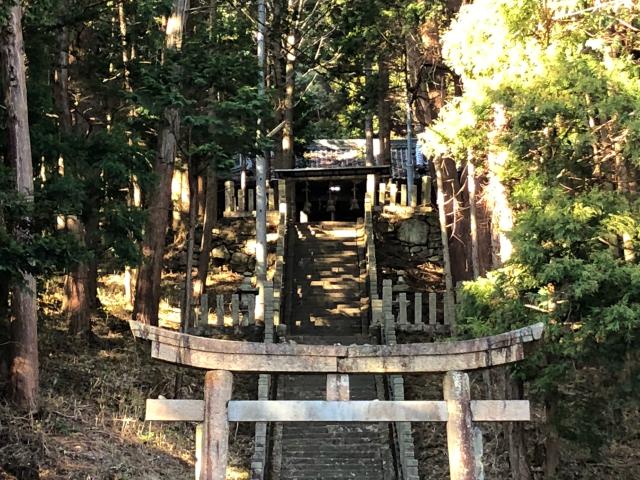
{"x": 90, "y": 424}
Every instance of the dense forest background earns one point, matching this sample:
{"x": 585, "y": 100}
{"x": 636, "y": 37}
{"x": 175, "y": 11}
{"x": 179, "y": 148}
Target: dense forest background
{"x": 526, "y": 109}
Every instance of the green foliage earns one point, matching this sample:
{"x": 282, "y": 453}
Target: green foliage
{"x": 568, "y": 84}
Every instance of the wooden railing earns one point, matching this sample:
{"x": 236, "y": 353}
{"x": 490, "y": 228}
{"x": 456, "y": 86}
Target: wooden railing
{"x": 222, "y": 357}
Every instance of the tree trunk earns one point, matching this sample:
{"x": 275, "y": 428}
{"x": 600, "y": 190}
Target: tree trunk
{"x": 442, "y": 215}
{"x": 473, "y": 216}
{"x": 288, "y": 157}
{"x": 23, "y": 369}
{"x": 498, "y": 202}
{"x": 61, "y": 83}
{"x": 457, "y": 218}
{"x": 191, "y": 231}
{"x": 277, "y": 78}
{"x": 552, "y": 441}
{"x": 384, "y": 111}
{"x": 626, "y": 187}
{"x": 368, "y": 118}
{"x": 147, "y": 299}
{"x": 78, "y": 290}
{"x": 515, "y": 432}
{"x": 210, "y": 219}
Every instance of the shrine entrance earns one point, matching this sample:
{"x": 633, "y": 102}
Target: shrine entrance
{"x": 331, "y": 193}
{"x": 331, "y": 200}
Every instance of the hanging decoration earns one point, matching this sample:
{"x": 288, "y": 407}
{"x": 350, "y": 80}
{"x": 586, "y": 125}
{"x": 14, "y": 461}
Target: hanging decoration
{"x": 354, "y": 201}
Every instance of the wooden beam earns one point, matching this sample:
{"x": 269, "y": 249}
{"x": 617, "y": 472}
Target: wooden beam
{"x": 243, "y": 362}
{"x": 171, "y": 337}
{"x": 430, "y": 363}
{"x": 166, "y": 410}
{"x": 237, "y": 356}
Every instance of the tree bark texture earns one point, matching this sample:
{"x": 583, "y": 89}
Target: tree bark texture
{"x": 80, "y": 290}
{"x": 384, "y": 111}
{"x": 457, "y": 222}
{"x": 210, "y": 219}
{"x": 288, "y": 157}
{"x": 442, "y": 215}
{"x": 191, "y": 232}
{"x": 23, "y": 368}
{"x": 515, "y": 433}
{"x": 147, "y": 299}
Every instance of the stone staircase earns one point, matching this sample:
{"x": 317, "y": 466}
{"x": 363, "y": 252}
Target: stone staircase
{"x": 326, "y": 310}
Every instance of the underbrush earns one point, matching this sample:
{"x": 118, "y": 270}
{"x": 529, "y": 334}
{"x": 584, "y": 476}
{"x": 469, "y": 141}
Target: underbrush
{"x": 90, "y": 424}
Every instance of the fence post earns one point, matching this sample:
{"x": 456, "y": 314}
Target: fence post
{"x": 459, "y": 426}
{"x": 204, "y": 309}
{"x": 235, "y": 310}
{"x": 417, "y": 309}
{"x": 387, "y": 300}
{"x": 271, "y": 202}
{"x": 393, "y": 193}
{"x": 433, "y": 308}
{"x": 403, "y": 303}
{"x": 229, "y": 196}
{"x": 371, "y": 187}
{"x": 376, "y": 312}
{"x": 217, "y": 393}
{"x": 220, "y": 310}
{"x": 252, "y": 200}
{"x": 251, "y": 309}
{"x": 382, "y": 191}
{"x": 426, "y": 190}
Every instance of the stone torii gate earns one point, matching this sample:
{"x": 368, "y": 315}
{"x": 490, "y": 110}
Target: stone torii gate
{"x": 222, "y": 357}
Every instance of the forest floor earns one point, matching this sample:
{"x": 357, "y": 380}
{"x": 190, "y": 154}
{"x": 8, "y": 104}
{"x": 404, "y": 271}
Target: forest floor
{"x": 93, "y": 391}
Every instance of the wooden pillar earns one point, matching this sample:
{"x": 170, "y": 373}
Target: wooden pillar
{"x": 261, "y": 234}
{"x": 217, "y": 393}
{"x": 338, "y": 388}
{"x": 199, "y": 433}
{"x": 459, "y": 426}
{"x": 403, "y": 195}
